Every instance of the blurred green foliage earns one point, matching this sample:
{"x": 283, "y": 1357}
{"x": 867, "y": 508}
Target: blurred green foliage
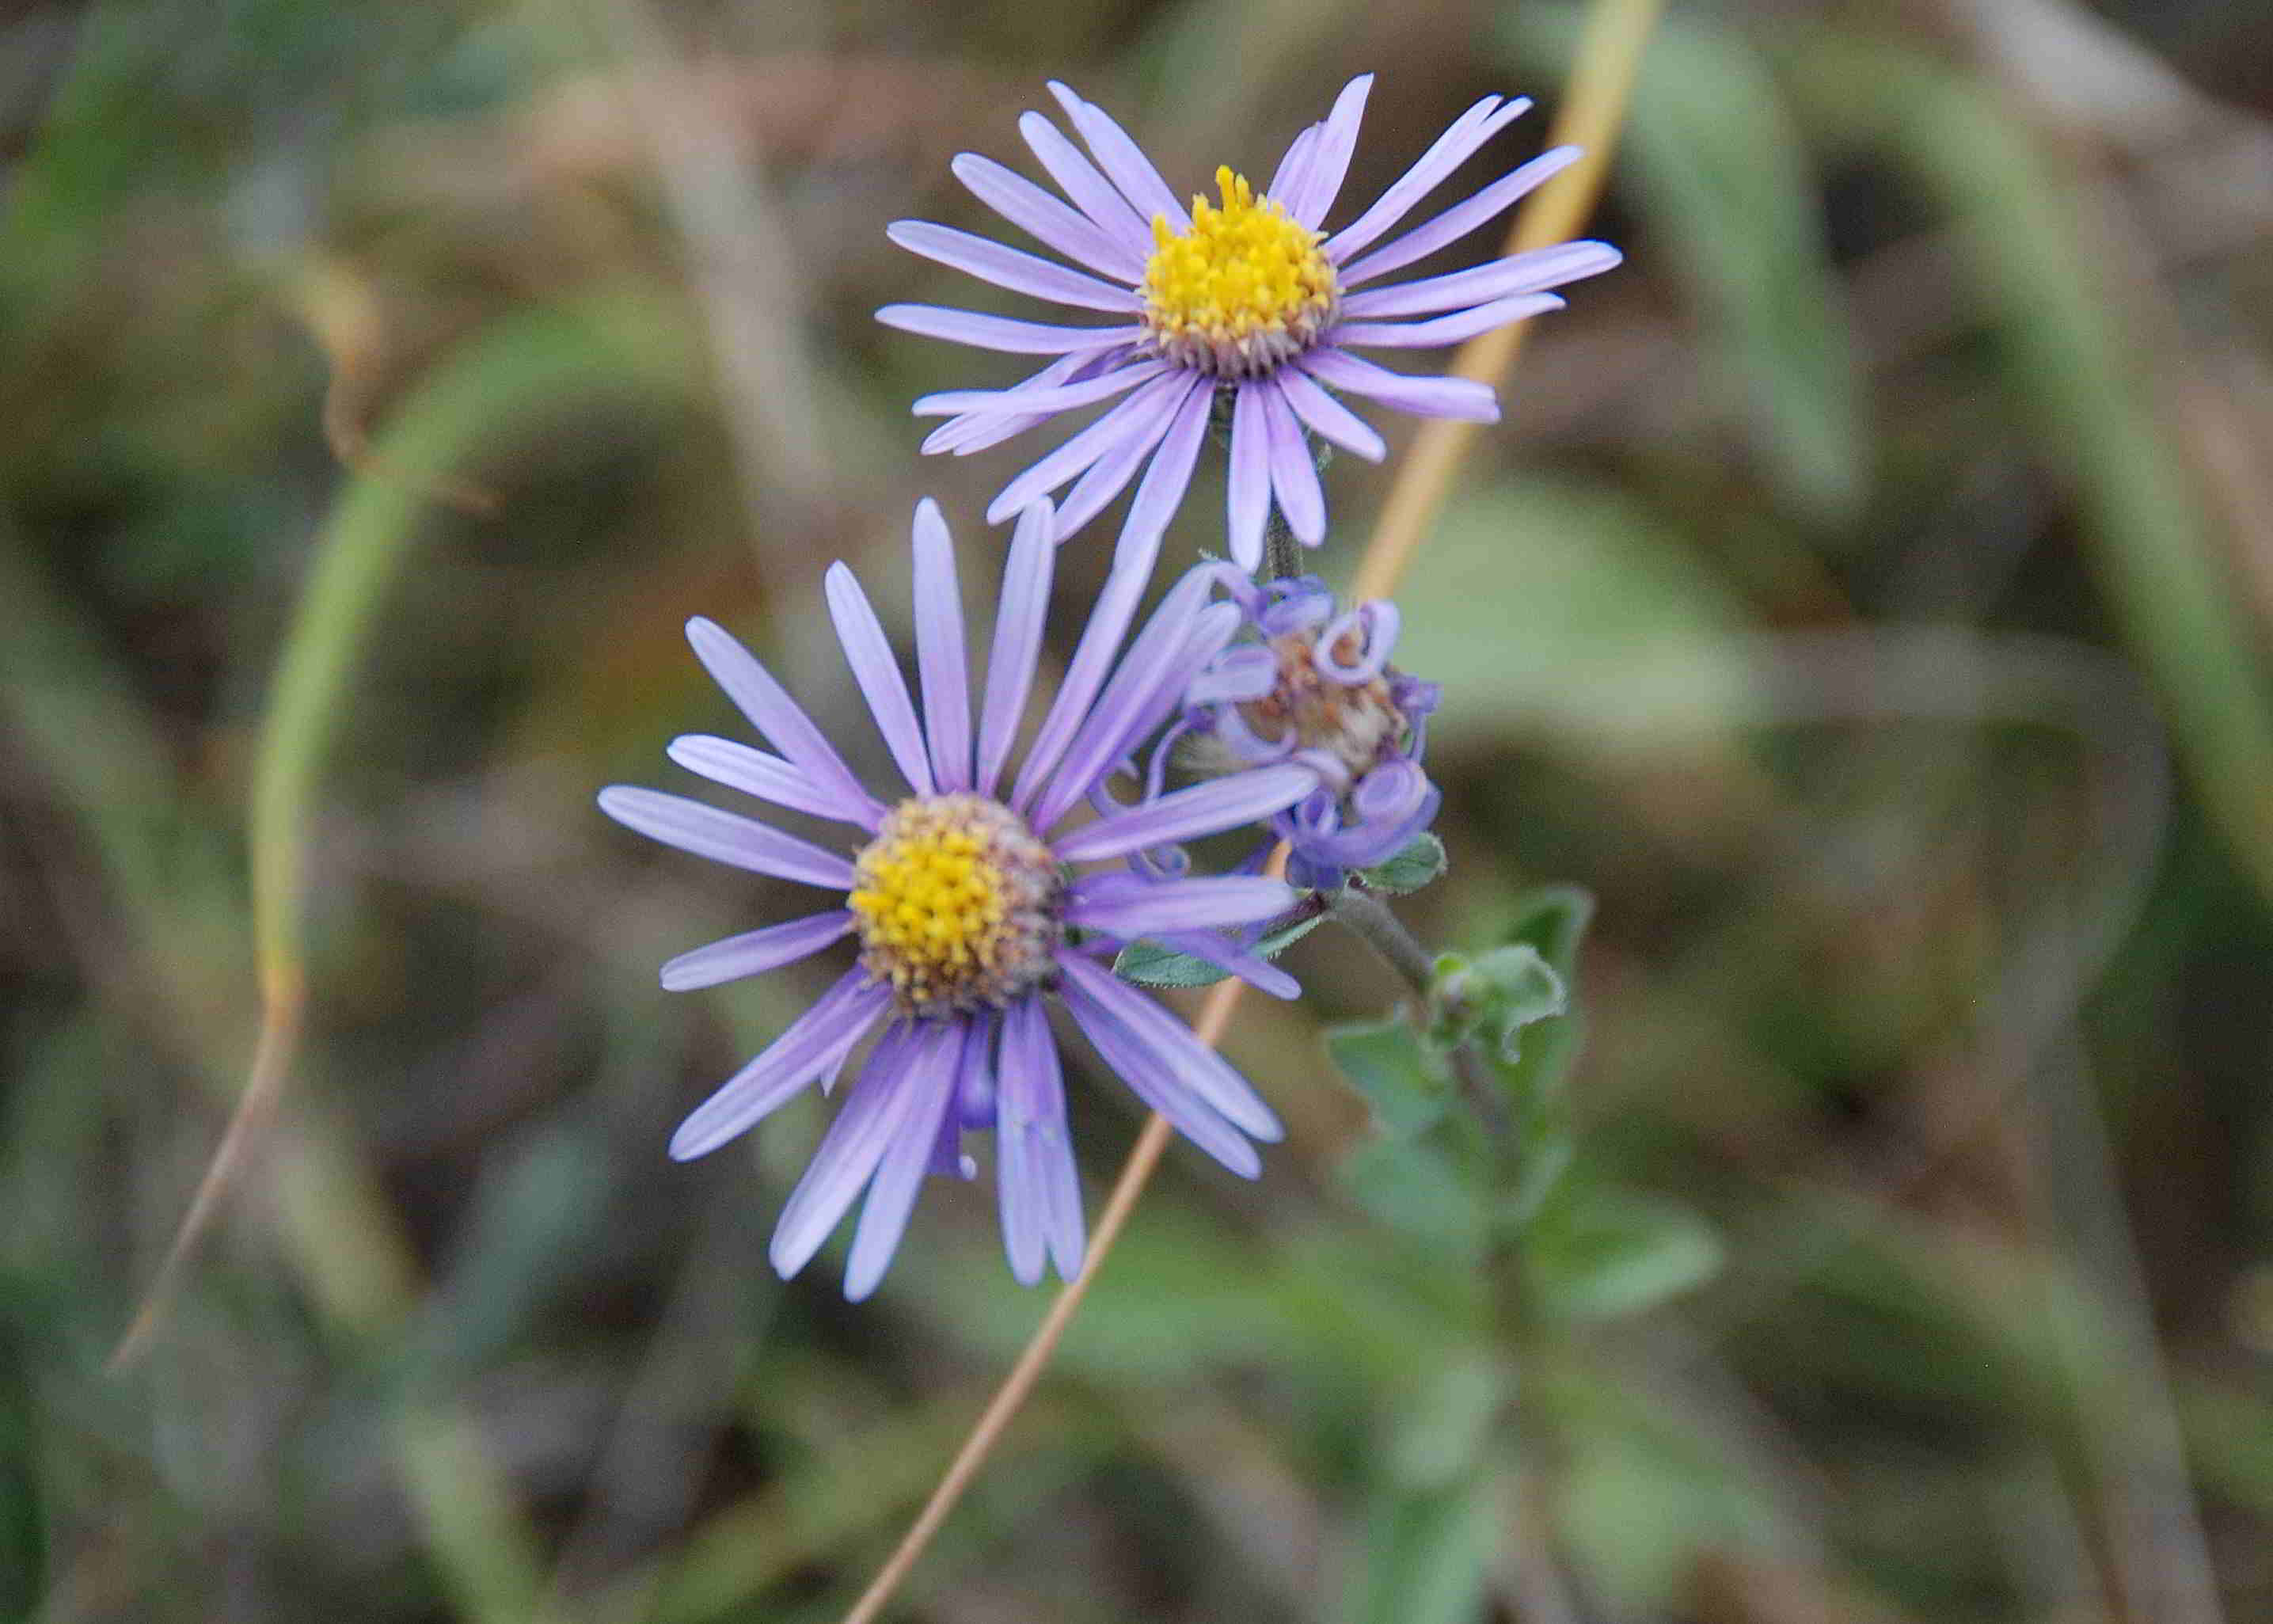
{"x": 389, "y": 384}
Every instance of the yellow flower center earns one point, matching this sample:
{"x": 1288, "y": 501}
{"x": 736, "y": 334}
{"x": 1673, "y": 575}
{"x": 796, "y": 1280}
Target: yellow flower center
{"x": 956, "y": 903}
{"x": 1245, "y": 288}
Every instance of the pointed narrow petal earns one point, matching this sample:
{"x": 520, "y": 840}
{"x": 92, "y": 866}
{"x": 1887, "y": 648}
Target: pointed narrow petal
{"x": 968, "y": 326}
{"x": 1063, "y": 397}
{"x": 1157, "y": 1084}
{"x": 1525, "y": 273}
{"x": 1329, "y": 163}
{"x": 1047, "y": 220}
{"x": 1144, "y": 415}
{"x": 1466, "y": 133}
{"x": 941, "y": 666}
{"x": 927, "y": 1095}
{"x": 974, "y": 430}
{"x": 1287, "y": 180}
{"x": 754, "y": 772}
{"x": 848, "y": 1152}
{"x": 1208, "y": 1074}
{"x": 1188, "y": 814}
{"x": 1091, "y": 193}
{"x": 813, "y": 1044}
{"x": 1123, "y": 162}
{"x": 754, "y": 952}
{"x": 1424, "y": 397}
{"x": 1255, "y": 971}
{"x": 724, "y": 837}
{"x": 1328, "y": 417}
{"x": 1151, "y": 908}
{"x": 1293, "y": 472}
{"x": 1443, "y": 330}
{"x": 869, "y": 652}
{"x": 1039, "y": 1185}
{"x": 776, "y": 715}
{"x": 1456, "y": 221}
{"x": 1100, "y": 639}
{"x": 1102, "y": 481}
{"x": 1170, "y": 476}
{"x": 1248, "y": 491}
{"x": 1154, "y": 659}
{"x": 1019, "y": 619}
{"x": 1010, "y": 267}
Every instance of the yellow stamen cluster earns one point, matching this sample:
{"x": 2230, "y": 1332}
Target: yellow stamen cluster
{"x": 955, "y": 904}
{"x": 1242, "y": 291}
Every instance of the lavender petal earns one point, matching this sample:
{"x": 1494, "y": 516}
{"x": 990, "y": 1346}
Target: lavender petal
{"x": 1170, "y": 476}
{"x": 869, "y": 652}
{"x": 855, "y": 1141}
{"x": 1123, "y": 162}
{"x": 1525, "y": 273}
{"x": 925, "y": 1095}
{"x": 1328, "y": 417}
{"x": 776, "y": 715}
{"x": 1329, "y": 163}
{"x": 1019, "y": 619}
{"x": 754, "y": 952}
{"x": 1466, "y": 133}
{"x": 1287, "y": 181}
{"x": 1458, "y": 221}
{"x": 1144, "y": 415}
{"x": 1443, "y": 330}
{"x": 1047, "y": 220}
{"x": 1188, "y": 814}
{"x": 1247, "y": 490}
{"x": 724, "y": 837}
{"x": 1063, "y": 397}
{"x": 813, "y": 1044}
{"x": 1155, "y": 1082}
{"x": 1108, "y": 620}
{"x": 1153, "y": 906}
{"x": 1038, "y": 1183}
{"x": 941, "y": 666}
{"x": 1010, "y": 267}
{"x": 1089, "y": 192}
{"x": 1424, "y": 397}
{"x": 754, "y": 772}
{"x": 984, "y": 332}
{"x": 1293, "y": 474}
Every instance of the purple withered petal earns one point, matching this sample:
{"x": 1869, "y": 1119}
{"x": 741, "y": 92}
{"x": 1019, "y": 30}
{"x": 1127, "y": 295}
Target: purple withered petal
{"x": 724, "y": 837}
{"x": 1424, "y": 397}
{"x": 1242, "y": 674}
{"x": 754, "y": 952}
{"x": 877, "y": 670}
{"x": 940, "y": 667}
{"x": 1464, "y": 136}
{"x": 815, "y": 1043}
{"x": 1293, "y": 474}
{"x": 1010, "y": 267}
{"x": 1188, "y": 814}
{"x": 1456, "y": 222}
{"x": 775, "y": 714}
{"x": 1456, "y": 329}
{"x": 1013, "y": 337}
{"x": 1047, "y": 220}
{"x": 1377, "y": 626}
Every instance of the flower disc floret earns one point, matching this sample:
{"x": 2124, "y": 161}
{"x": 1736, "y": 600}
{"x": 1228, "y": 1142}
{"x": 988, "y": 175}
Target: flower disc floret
{"x": 956, "y": 905}
{"x": 1246, "y": 288}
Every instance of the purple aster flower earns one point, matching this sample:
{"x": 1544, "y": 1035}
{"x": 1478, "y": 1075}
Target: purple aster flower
{"x": 1248, "y": 296}
{"x": 965, "y": 904}
{"x": 1310, "y": 686}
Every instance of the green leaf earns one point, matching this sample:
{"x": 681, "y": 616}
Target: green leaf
{"x": 1425, "y": 1554}
{"x": 1493, "y": 997}
{"x": 1421, "y": 861}
{"x": 1415, "y": 1188}
{"x": 1553, "y": 918}
{"x": 1148, "y": 964}
{"x": 1406, "y": 1085}
{"x": 1445, "y": 1418}
{"x": 1605, "y": 1254}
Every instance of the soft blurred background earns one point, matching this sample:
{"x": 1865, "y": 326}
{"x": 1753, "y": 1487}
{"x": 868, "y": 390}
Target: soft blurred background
{"x": 1866, "y": 598}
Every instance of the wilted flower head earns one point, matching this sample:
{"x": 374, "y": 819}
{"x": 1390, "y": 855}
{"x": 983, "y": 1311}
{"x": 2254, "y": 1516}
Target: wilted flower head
{"x": 965, "y": 903}
{"x": 1247, "y": 295}
{"x": 1306, "y": 685}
